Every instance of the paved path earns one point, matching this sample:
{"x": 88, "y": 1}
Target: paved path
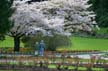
{"x": 84, "y": 56}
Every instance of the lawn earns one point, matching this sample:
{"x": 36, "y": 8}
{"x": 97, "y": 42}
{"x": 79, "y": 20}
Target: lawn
{"x": 89, "y": 44}
{"x": 8, "y": 42}
{"x": 79, "y": 43}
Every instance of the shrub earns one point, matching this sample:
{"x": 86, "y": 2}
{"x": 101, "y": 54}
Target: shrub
{"x": 51, "y": 43}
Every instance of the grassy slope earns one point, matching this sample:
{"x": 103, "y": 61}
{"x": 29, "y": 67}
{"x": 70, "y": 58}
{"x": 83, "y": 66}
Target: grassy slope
{"x": 79, "y": 43}
{"x": 89, "y": 43}
{"x": 8, "y": 42}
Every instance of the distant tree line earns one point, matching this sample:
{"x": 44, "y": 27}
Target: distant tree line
{"x": 100, "y": 7}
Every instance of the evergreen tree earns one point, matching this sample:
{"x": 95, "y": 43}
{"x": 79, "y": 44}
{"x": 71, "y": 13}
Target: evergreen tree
{"x": 5, "y": 12}
{"x": 100, "y": 7}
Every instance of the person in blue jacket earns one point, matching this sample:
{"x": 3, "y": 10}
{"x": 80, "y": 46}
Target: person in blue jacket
{"x": 41, "y": 48}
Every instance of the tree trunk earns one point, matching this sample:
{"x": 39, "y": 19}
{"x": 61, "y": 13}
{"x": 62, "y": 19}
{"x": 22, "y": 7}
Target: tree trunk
{"x": 16, "y": 44}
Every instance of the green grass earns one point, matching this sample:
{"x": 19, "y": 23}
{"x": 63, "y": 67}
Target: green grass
{"x": 89, "y": 44}
{"x": 8, "y": 42}
{"x": 79, "y": 43}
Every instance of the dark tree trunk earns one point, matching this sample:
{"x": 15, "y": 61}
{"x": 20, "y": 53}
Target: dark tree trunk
{"x": 16, "y": 44}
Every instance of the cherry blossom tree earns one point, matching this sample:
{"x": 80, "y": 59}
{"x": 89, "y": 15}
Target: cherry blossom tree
{"x": 75, "y": 13}
{"x": 49, "y": 17}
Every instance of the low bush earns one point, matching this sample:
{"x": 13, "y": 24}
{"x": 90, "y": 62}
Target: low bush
{"x": 51, "y": 43}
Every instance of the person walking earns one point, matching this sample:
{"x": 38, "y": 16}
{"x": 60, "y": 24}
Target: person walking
{"x": 41, "y": 48}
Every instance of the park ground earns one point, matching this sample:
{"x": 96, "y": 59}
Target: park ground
{"x": 78, "y": 43}
{"x": 81, "y": 43}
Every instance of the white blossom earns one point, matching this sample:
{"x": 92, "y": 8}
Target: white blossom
{"x": 51, "y": 15}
